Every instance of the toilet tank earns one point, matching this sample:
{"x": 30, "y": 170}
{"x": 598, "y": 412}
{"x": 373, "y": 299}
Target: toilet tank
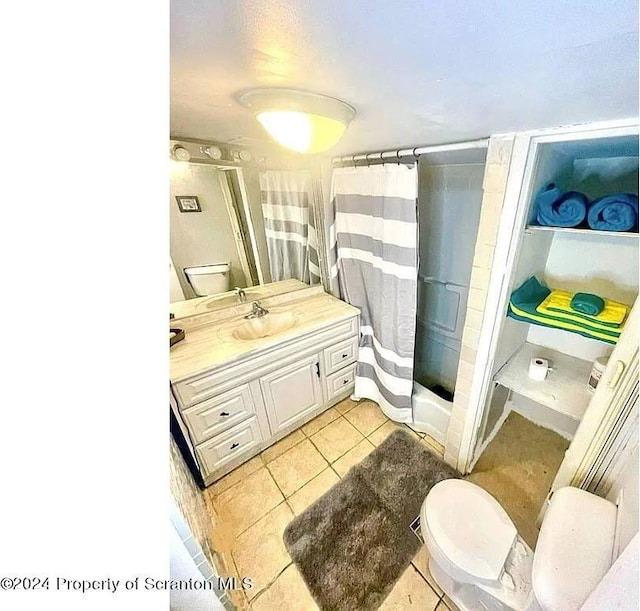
{"x": 209, "y": 279}
{"x": 574, "y": 549}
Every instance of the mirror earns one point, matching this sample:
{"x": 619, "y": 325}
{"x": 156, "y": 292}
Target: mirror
{"x": 254, "y": 225}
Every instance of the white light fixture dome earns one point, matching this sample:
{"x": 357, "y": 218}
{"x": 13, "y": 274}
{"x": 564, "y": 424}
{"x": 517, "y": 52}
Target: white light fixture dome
{"x": 302, "y": 121}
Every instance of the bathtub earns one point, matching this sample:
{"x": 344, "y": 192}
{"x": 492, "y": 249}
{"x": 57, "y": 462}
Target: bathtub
{"x": 431, "y": 413}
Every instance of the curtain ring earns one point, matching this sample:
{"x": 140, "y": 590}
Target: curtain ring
{"x": 398, "y": 156}
{"x": 367, "y": 160}
{"x": 414, "y": 154}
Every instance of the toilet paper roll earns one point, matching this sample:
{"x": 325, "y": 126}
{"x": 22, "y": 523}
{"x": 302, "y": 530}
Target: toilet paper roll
{"x": 538, "y": 368}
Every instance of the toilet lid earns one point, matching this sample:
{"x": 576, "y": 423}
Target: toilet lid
{"x": 470, "y": 527}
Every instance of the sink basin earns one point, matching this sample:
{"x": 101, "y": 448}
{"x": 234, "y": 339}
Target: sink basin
{"x": 266, "y": 326}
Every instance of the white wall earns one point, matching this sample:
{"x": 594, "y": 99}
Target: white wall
{"x": 201, "y": 238}
{"x": 606, "y": 266}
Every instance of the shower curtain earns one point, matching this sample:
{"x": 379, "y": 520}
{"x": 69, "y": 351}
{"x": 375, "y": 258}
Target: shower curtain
{"x": 288, "y": 224}
{"x": 374, "y": 267}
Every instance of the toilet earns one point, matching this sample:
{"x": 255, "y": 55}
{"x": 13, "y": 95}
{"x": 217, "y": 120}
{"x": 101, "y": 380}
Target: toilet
{"x": 209, "y": 279}
{"x": 480, "y": 561}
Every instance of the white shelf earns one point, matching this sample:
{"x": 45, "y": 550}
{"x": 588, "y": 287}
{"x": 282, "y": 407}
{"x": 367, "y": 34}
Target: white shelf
{"x": 563, "y": 390}
{"x": 581, "y": 231}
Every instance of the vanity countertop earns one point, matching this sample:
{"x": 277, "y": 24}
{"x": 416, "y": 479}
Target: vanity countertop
{"x": 211, "y": 345}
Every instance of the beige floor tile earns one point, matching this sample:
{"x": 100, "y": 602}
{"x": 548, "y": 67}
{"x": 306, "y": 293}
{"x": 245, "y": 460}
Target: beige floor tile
{"x": 421, "y": 562}
{"x": 279, "y": 448}
{"x": 366, "y": 417}
{"x": 353, "y": 457}
{"x": 288, "y": 593}
{"x": 433, "y": 446}
{"x": 311, "y": 492}
{"x": 235, "y": 476}
{"x": 320, "y": 422}
{"x": 411, "y": 592}
{"x": 259, "y": 552}
{"x": 336, "y": 439}
{"x": 296, "y": 467}
{"x": 380, "y": 434}
{"x": 247, "y": 501}
{"x": 345, "y": 405}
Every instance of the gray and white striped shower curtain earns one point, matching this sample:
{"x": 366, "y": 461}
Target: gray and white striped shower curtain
{"x": 289, "y": 226}
{"x": 375, "y": 266}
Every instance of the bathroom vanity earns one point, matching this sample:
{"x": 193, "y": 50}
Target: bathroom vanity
{"x": 240, "y": 384}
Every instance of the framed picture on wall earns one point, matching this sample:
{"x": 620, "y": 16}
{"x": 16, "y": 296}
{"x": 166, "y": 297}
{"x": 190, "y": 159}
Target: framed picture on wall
{"x": 188, "y": 203}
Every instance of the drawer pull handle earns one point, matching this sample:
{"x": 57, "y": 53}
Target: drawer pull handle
{"x": 345, "y": 382}
{"x": 318, "y": 369}
{"x": 344, "y": 356}
{"x": 234, "y": 445}
{"x": 224, "y": 414}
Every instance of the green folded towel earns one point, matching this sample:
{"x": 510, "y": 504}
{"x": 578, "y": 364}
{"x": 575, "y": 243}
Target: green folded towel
{"x": 587, "y": 304}
{"x": 527, "y": 297}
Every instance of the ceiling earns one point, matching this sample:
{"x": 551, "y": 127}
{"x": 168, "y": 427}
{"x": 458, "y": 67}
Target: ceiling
{"x": 418, "y": 72}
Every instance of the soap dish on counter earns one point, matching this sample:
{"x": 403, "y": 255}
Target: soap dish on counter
{"x": 175, "y": 335}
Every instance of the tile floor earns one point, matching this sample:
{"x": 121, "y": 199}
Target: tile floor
{"x": 257, "y": 500}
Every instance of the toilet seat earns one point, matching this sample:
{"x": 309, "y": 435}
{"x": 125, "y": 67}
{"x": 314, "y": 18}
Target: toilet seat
{"x": 469, "y": 527}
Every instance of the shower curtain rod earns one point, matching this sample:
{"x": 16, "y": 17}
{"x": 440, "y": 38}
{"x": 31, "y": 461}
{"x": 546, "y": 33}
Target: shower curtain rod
{"x": 412, "y": 152}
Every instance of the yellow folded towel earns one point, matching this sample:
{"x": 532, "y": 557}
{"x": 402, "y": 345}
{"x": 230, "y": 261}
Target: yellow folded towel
{"x": 558, "y": 303}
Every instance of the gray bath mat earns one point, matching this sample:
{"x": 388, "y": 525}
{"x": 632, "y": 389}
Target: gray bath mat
{"x": 355, "y": 541}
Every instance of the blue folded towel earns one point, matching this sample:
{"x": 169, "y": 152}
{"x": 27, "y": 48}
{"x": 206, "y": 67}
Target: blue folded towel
{"x": 618, "y": 212}
{"x": 555, "y": 209}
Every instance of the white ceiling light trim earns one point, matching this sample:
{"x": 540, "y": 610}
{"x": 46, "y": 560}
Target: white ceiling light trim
{"x": 302, "y": 121}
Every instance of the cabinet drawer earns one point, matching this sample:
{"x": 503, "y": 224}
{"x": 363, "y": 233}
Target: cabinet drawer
{"x": 216, "y": 415}
{"x": 339, "y": 355}
{"x": 227, "y": 446}
{"x": 339, "y": 382}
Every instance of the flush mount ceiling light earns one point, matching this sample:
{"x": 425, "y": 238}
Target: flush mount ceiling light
{"x": 302, "y": 121}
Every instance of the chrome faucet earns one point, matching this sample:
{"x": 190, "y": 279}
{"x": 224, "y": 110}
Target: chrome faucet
{"x": 242, "y": 297}
{"x": 257, "y": 312}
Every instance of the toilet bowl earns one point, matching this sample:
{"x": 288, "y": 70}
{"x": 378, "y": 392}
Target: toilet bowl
{"x": 480, "y": 561}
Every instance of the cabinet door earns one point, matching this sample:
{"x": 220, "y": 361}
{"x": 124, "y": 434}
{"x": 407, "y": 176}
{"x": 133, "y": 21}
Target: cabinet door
{"x": 292, "y": 392}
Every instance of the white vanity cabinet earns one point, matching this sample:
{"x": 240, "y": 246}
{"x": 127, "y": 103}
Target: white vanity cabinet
{"x": 234, "y": 411}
